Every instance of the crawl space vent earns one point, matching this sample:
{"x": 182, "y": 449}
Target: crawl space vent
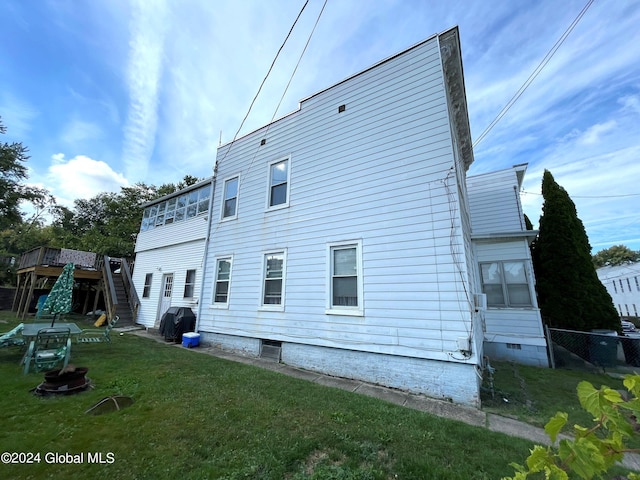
{"x": 270, "y": 350}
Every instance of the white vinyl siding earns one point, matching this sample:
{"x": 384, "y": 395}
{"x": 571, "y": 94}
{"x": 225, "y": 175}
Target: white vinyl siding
{"x": 186, "y": 232}
{"x": 394, "y": 136}
{"x": 176, "y": 259}
{"x": 494, "y": 202}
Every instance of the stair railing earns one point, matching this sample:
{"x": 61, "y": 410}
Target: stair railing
{"x": 129, "y": 288}
{"x": 110, "y": 295}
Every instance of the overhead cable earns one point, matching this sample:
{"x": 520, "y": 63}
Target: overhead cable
{"x": 534, "y": 74}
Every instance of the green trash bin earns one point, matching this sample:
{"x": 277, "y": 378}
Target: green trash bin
{"x": 603, "y": 347}
{"x": 631, "y": 348}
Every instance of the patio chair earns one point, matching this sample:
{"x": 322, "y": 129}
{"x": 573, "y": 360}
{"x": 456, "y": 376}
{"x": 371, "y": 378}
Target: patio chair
{"x": 97, "y": 335}
{"x": 51, "y": 346}
{"x": 12, "y": 337}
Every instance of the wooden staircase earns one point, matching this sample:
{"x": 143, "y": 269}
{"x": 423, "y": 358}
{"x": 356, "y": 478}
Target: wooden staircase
{"x": 123, "y": 308}
{"x": 120, "y": 294}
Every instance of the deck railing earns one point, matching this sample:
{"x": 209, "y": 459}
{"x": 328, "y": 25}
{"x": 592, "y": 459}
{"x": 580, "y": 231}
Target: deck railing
{"x": 57, "y": 257}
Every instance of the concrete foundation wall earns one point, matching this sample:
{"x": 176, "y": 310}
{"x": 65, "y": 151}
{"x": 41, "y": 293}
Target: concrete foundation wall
{"x": 526, "y": 355}
{"x": 457, "y": 382}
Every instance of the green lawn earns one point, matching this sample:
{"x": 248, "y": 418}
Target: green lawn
{"x": 534, "y": 395}
{"x": 197, "y": 416}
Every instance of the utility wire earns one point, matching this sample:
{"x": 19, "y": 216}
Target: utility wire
{"x": 589, "y": 196}
{"x": 241, "y": 177}
{"x": 534, "y": 74}
{"x": 215, "y": 168}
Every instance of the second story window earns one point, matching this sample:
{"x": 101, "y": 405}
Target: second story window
{"x": 177, "y": 209}
{"x": 279, "y": 183}
{"x": 230, "y": 200}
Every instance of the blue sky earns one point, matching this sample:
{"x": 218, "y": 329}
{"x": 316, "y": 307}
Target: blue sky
{"x": 108, "y": 93}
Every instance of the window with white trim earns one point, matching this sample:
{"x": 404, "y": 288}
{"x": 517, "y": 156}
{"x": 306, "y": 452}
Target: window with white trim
{"x": 146, "y": 291}
{"x": 223, "y": 281}
{"x": 345, "y": 278}
{"x": 189, "y": 284}
{"x": 230, "y": 199}
{"x": 273, "y": 280}
{"x": 505, "y": 284}
{"x": 278, "y": 183}
{"x": 176, "y": 209}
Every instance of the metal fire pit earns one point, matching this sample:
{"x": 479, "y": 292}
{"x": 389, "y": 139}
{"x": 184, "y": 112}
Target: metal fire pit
{"x": 64, "y": 382}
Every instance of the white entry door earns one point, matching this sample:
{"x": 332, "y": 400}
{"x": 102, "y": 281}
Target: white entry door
{"x": 165, "y": 298}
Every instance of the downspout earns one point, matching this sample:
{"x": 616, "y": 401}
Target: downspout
{"x": 205, "y": 254}
{"x": 520, "y": 212}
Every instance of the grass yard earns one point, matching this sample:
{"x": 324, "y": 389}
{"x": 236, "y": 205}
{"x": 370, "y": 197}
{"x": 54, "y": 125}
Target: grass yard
{"x": 534, "y": 395}
{"x": 196, "y": 416}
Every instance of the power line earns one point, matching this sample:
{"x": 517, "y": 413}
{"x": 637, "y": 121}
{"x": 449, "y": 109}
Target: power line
{"x": 590, "y": 196}
{"x": 215, "y": 168}
{"x": 534, "y": 74}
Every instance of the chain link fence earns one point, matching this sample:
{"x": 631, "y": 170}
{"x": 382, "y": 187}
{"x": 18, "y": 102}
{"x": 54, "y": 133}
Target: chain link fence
{"x": 597, "y": 350}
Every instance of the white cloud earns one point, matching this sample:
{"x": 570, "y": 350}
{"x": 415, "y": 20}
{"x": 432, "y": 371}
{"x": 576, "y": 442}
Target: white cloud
{"x": 81, "y": 177}
{"x": 79, "y": 131}
{"x": 630, "y": 103}
{"x": 592, "y": 134}
{"x": 148, "y": 26}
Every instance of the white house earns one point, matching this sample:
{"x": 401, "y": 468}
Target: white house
{"x": 169, "y": 252}
{"x": 623, "y": 284}
{"x": 512, "y": 322}
{"x": 341, "y": 239}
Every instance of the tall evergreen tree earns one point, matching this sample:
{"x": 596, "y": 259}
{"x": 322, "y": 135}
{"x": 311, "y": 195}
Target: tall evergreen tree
{"x": 569, "y": 292}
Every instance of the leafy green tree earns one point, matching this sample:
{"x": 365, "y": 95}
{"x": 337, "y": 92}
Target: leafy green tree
{"x": 13, "y": 191}
{"x": 527, "y": 223}
{"x": 569, "y": 292}
{"x": 616, "y": 255}
{"x": 595, "y": 449}
{"x": 109, "y": 222}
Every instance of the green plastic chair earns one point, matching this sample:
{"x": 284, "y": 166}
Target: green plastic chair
{"x": 50, "y": 347}
{"x": 12, "y": 337}
{"x": 97, "y": 335}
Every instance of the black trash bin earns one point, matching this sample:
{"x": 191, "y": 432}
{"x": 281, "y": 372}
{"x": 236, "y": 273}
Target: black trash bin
{"x": 175, "y": 322}
{"x": 631, "y": 348}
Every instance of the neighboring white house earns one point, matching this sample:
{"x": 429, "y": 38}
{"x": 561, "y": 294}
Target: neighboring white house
{"x": 341, "y": 240}
{"x": 169, "y": 252}
{"x": 623, "y": 284}
{"x": 513, "y": 324}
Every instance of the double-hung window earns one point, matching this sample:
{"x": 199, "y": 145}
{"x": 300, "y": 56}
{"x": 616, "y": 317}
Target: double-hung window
{"x": 505, "y": 284}
{"x": 273, "y": 284}
{"x": 230, "y": 199}
{"x": 278, "y": 183}
{"x": 146, "y": 291}
{"x": 345, "y": 279}
{"x": 223, "y": 281}
{"x": 189, "y": 284}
